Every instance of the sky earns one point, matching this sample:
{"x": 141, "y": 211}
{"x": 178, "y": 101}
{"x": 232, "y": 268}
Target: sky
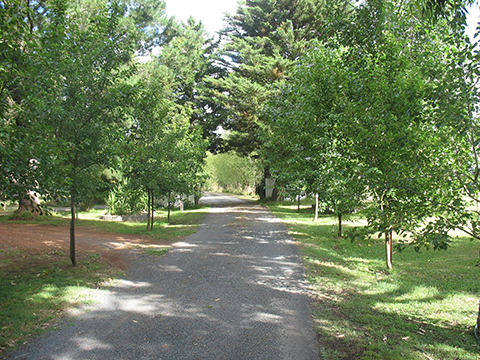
{"x": 210, "y": 12}
{"x": 472, "y": 20}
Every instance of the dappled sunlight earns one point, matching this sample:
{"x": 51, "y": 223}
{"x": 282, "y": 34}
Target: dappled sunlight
{"x": 239, "y": 280}
{"x": 170, "y": 268}
{"x": 269, "y": 219}
{"x": 184, "y": 244}
{"x": 265, "y": 317}
{"x": 428, "y": 298}
{"x": 89, "y": 344}
{"x": 124, "y": 244}
{"x": 283, "y": 284}
{"x": 128, "y": 284}
{"x": 419, "y": 293}
{"x": 146, "y": 304}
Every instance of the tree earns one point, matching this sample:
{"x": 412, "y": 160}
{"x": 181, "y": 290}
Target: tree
{"x": 264, "y": 39}
{"x": 163, "y": 152}
{"x": 302, "y": 146}
{"x": 191, "y": 57}
{"x": 89, "y": 92}
{"x": 26, "y": 158}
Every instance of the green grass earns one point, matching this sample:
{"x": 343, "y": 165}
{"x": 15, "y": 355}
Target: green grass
{"x": 36, "y": 289}
{"x": 156, "y": 252}
{"x": 425, "y": 308}
{"x": 181, "y": 223}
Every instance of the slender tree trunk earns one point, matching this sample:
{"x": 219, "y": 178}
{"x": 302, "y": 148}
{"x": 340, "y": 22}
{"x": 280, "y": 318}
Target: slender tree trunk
{"x": 478, "y": 321}
{"x": 316, "y": 207}
{"x": 148, "y": 210}
{"x": 72, "y": 231}
{"x": 152, "y": 199}
{"x": 339, "y": 225}
{"x": 389, "y": 248}
{"x": 298, "y": 204}
{"x": 169, "y": 207}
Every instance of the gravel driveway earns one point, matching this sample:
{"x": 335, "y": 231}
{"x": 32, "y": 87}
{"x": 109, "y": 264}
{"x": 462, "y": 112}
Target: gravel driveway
{"x": 233, "y": 290}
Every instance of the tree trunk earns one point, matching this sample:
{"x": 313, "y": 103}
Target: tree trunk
{"x": 477, "y": 328}
{"x": 29, "y": 202}
{"x": 298, "y": 204}
{"x": 148, "y": 210}
{"x": 389, "y": 248}
{"x": 169, "y": 207}
{"x": 152, "y": 199}
{"x": 72, "y": 231}
{"x": 316, "y": 207}
{"x": 339, "y": 225}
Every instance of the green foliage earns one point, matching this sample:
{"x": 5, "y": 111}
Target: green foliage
{"x": 362, "y": 118}
{"x": 265, "y": 38}
{"x": 192, "y": 59}
{"x": 126, "y": 199}
{"x": 163, "y": 152}
{"x": 232, "y": 173}
{"x": 23, "y": 216}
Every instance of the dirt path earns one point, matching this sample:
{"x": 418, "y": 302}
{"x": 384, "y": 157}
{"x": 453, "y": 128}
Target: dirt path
{"x": 39, "y": 238}
{"x": 233, "y": 291}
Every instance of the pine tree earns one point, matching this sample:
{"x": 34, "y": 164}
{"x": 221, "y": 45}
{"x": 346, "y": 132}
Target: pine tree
{"x": 264, "y": 39}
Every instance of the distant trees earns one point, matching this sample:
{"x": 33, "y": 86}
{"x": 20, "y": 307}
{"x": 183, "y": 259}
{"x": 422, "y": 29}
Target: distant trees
{"x": 163, "y": 155}
{"x": 233, "y": 173}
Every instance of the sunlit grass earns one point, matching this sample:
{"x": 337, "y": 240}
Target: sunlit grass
{"x": 36, "y": 289}
{"x": 425, "y": 308}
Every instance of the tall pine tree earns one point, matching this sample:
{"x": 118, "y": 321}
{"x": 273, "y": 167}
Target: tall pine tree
{"x": 263, "y": 40}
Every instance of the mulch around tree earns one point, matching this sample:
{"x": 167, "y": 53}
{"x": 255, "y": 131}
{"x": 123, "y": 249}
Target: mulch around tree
{"x": 41, "y": 239}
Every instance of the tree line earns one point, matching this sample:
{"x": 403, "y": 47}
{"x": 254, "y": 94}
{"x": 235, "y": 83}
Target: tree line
{"x": 367, "y": 104}
{"x": 382, "y": 116}
{"x": 76, "y": 100}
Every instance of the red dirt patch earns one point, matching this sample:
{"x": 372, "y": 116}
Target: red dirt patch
{"x": 38, "y": 238}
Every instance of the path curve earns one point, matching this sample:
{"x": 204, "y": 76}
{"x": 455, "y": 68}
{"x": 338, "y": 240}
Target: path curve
{"x": 233, "y": 290}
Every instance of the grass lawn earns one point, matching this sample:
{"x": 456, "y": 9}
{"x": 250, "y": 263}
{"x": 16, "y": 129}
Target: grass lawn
{"x": 425, "y": 308}
{"x": 181, "y": 223}
{"x": 37, "y": 288}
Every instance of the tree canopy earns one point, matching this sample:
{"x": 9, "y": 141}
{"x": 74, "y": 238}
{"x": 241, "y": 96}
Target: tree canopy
{"x": 369, "y": 105}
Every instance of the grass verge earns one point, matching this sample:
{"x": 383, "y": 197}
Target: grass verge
{"x": 181, "y": 223}
{"x": 425, "y": 308}
{"x": 38, "y": 288}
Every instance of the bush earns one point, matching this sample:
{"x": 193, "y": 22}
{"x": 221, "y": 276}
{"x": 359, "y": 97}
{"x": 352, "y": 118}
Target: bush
{"x": 23, "y": 216}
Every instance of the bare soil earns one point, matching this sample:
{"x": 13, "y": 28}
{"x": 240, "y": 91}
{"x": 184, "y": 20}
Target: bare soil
{"x": 41, "y": 239}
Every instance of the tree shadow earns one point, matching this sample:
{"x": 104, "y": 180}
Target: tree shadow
{"x": 363, "y": 311}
